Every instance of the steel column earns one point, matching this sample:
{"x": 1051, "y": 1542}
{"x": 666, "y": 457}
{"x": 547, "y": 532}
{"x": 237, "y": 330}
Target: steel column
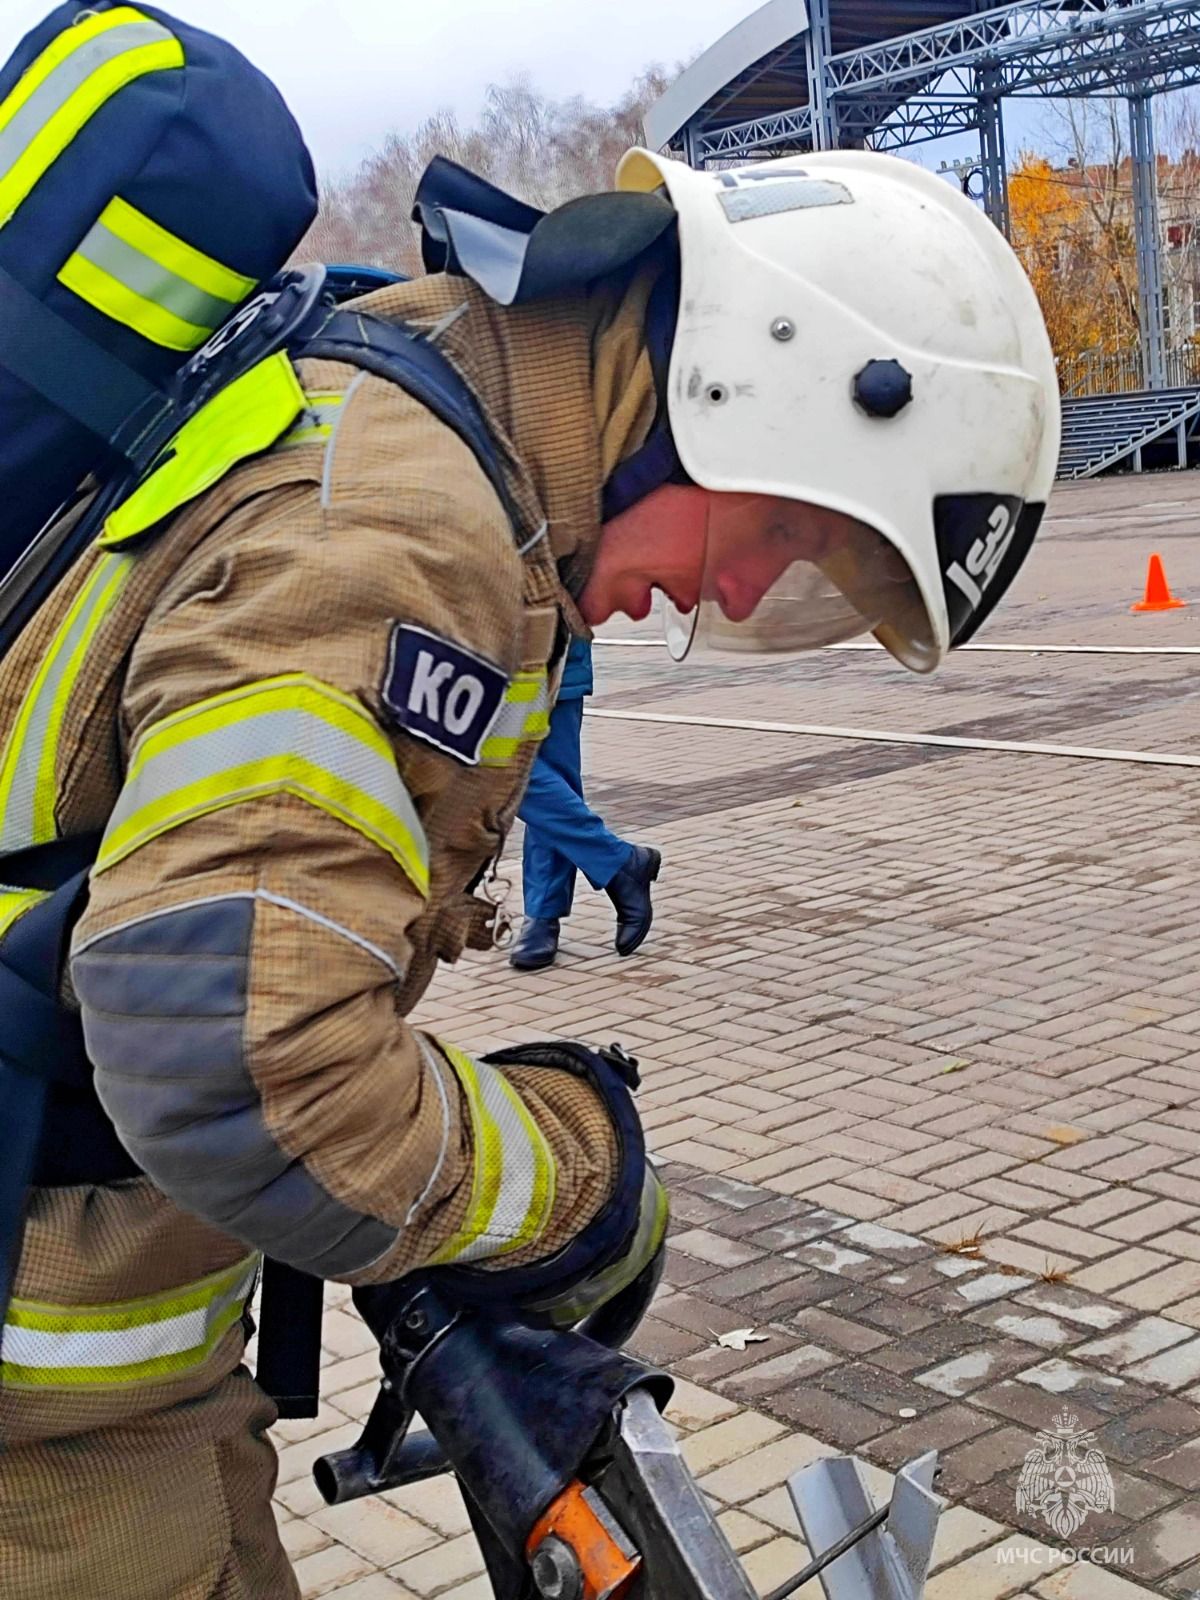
{"x": 818, "y": 49}
{"x": 1144, "y": 166}
{"x": 992, "y": 159}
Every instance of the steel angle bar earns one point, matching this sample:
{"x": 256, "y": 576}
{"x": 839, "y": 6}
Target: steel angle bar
{"x": 888, "y": 1561}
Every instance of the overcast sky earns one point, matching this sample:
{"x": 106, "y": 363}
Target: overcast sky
{"x": 352, "y": 70}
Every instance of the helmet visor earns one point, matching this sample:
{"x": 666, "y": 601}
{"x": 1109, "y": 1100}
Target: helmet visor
{"x": 783, "y": 575}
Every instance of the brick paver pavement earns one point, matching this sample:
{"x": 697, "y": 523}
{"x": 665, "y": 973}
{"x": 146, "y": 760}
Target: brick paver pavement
{"x": 921, "y": 1057}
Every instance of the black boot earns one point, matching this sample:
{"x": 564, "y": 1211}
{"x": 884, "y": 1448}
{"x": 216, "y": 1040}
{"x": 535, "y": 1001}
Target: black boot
{"x": 629, "y": 891}
{"x": 536, "y": 945}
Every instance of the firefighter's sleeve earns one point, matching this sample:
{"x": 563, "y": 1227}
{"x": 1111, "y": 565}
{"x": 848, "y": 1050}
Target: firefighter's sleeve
{"x": 251, "y": 916}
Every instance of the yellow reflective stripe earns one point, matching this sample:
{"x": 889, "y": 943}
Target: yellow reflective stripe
{"x": 514, "y": 1177}
{"x": 523, "y": 718}
{"x": 151, "y": 239}
{"x": 315, "y": 423}
{"x": 75, "y": 75}
{"x": 27, "y": 792}
{"x": 124, "y": 305}
{"x": 286, "y": 735}
{"x": 125, "y": 1342}
{"x": 653, "y": 1215}
{"x": 242, "y": 419}
{"x": 133, "y": 270}
{"x": 15, "y": 903}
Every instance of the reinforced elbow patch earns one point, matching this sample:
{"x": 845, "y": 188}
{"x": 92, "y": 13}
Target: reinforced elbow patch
{"x": 164, "y": 1004}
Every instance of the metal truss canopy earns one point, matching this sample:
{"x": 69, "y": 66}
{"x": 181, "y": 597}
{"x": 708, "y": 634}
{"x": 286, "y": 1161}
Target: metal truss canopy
{"x": 922, "y": 85}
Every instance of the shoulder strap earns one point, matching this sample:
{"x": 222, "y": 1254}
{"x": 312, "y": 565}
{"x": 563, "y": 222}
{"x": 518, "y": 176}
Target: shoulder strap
{"x": 393, "y": 351}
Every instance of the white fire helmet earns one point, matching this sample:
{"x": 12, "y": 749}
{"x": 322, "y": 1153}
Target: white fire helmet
{"x": 855, "y": 335}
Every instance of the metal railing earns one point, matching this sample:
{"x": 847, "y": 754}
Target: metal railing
{"x": 1121, "y": 371}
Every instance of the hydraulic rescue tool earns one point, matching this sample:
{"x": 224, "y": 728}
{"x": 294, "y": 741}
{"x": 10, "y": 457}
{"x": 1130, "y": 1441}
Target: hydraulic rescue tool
{"x": 573, "y": 1482}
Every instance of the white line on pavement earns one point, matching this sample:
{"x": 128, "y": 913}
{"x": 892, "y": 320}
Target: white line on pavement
{"x": 1014, "y": 649}
{"x": 1147, "y": 758}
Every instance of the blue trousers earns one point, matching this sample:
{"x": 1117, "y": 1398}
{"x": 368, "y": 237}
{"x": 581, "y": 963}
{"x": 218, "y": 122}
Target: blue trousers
{"x": 563, "y": 834}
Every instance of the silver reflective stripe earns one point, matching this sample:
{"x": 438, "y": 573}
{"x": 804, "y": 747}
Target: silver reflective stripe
{"x": 129, "y": 1341}
{"x": 50, "y": 97}
{"x": 287, "y": 735}
{"x": 515, "y": 1176}
{"x": 151, "y": 280}
{"x": 262, "y": 735}
{"x": 27, "y": 768}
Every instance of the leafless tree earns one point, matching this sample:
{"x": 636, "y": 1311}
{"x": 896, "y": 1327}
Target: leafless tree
{"x": 544, "y": 151}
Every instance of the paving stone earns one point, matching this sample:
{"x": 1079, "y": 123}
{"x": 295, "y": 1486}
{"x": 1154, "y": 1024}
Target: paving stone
{"x": 973, "y": 1369}
{"x": 714, "y": 1248}
{"x": 711, "y": 1365}
{"x": 883, "y": 1311}
{"x": 765, "y": 1377}
{"x": 437, "y": 1502}
{"x": 1168, "y": 1541}
{"x": 1173, "y": 1369}
{"x": 836, "y": 1332}
{"x": 727, "y": 1441}
{"x": 772, "y": 1564}
{"x": 987, "y": 1575}
{"x": 989, "y": 1286}
{"x": 1115, "y": 1271}
{"x": 1087, "y": 1581}
{"x": 660, "y": 1344}
{"x": 1033, "y": 1406}
{"x": 691, "y": 1407}
{"x": 1162, "y": 1290}
{"x": 886, "y": 1392}
{"x": 813, "y": 1224}
{"x": 745, "y": 1283}
{"x": 1073, "y": 1305}
{"x": 830, "y": 1255}
{"x": 828, "y": 1415}
{"x": 1145, "y": 1433}
{"x": 969, "y": 1465}
{"x": 1032, "y": 1327}
{"x": 380, "y": 1532}
{"x": 451, "y": 1561}
{"x": 880, "y": 1241}
{"x": 1137, "y": 1342}
{"x": 729, "y": 1192}
{"x": 378, "y": 1586}
{"x": 328, "y": 1569}
{"x": 942, "y": 1430}
{"x": 1181, "y": 1466}
{"x": 754, "y": 1219}
{"x": 1148, "y": 1222}
{"x": 962, "y": 1531}
{"x": 743, "y": 1531}
{"x": 765, "y": 1467}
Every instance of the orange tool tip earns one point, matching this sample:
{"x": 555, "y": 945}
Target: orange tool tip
{"x": 579, "y": 1520}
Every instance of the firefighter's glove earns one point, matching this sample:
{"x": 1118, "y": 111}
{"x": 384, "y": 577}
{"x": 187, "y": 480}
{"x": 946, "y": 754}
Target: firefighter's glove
{"x": 619, "y": 1243}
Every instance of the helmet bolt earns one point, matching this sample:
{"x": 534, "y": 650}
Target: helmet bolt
{"x": 716, "y": 394}
{"x": 882, "y": 388}
{"x": 783, "y": 329}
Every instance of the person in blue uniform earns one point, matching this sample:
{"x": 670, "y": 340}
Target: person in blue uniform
{"x": 563, "y": 836}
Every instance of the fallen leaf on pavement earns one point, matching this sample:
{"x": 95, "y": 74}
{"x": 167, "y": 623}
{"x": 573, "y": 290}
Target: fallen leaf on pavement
{"x": 740, "y": 1338}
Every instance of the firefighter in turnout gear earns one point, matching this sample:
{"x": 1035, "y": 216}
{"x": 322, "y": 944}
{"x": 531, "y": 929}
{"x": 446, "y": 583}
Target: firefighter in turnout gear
{"x": 294, "y": 690}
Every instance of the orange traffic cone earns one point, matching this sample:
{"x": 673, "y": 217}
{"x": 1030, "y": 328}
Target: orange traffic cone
{"x": 1158, "y": 595}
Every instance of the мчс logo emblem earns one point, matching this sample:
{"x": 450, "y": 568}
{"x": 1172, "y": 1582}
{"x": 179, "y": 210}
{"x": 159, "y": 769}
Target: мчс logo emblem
{"x": 1065, "y": 1477}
